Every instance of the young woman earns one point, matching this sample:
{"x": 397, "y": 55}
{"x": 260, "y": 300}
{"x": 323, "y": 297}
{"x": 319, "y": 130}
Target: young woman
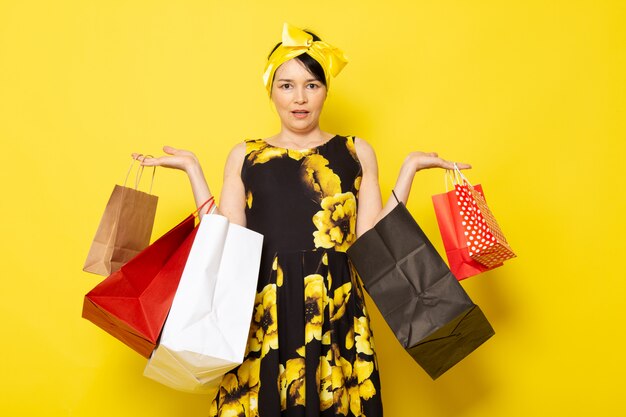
{"x": 311, "y": 194}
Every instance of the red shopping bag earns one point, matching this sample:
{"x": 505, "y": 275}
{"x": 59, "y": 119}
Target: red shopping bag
{"x": 485, "y": 240}
{"x": 473, "y": 240}
{"x": 453, "y": 236}
{"x": 132, "y": 303}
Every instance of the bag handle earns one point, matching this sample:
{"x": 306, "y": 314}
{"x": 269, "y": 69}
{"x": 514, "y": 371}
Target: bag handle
{"x": 456, "y": 177}
{"x": 210, "y": 209}
{"x": 140, "y": 172}
{"x": 394, "y": 194}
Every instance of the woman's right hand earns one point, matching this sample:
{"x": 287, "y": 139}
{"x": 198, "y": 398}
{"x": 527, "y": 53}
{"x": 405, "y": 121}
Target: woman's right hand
{"x": 175, "y": 158}
{"x": 185, "y": 161}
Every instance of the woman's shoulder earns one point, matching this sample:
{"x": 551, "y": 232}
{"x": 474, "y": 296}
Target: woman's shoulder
{"x": 244, "y": 147}
{"x": 364, "y": 152}
{"x": 239, "y": 148}
{"x": 363, "y": 147}
{"x": 237, "y": 154}
{"x": 359, "y": 141}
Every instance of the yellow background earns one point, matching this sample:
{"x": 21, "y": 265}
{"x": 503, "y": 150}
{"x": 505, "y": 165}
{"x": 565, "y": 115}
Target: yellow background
{"x": 532, "y": 93}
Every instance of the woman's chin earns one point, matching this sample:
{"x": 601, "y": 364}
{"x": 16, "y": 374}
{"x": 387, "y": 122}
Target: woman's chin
{"x": 301, "y": 125}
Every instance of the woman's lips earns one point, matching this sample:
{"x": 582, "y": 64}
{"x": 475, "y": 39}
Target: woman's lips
{"x": 300, "y": 114}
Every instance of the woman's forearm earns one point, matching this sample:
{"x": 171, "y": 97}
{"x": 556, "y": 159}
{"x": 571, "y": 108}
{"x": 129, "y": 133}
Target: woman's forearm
{"x": 199, "y": 186}
{"x": 403, "y": 183}
{"x": 402, "y": 188}
{"x": 414, "y": 162}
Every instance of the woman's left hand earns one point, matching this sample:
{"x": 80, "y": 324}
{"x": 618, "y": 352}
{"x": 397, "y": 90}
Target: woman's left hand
{"x": 424, "y": 160}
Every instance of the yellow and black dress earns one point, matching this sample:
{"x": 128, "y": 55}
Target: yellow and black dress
{"x": 310, "y": 350}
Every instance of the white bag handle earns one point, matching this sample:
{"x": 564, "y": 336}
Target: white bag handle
{"x": 455, "y": 176}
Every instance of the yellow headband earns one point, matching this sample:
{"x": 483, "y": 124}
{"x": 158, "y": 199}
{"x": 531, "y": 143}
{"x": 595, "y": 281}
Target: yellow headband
{"x": 296, "y": 42}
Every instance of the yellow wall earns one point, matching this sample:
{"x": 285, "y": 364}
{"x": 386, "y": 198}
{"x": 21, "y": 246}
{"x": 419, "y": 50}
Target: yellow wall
{"x": 532, "y": 93}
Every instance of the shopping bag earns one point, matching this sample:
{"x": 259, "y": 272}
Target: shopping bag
{"x": 465, "y": 231}
{"x": 429, "y": 312}
{"x": 453, "y": 236}
{"x": 132, "y": 303}
{"x": 489, "y": 247}
{"x": 125, "y": 227}
{"x": 207, "y": 328}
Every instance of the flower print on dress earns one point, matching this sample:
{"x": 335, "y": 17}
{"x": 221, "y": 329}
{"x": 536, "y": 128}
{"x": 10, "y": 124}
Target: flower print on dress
{"x": 364, "y": 341}
{"x": 278, "y": 271}
{"x": 337, "y": 307}
{"x": 315, "y": 299}
{"x": 336, "y": 222}
{"x": 357, "y": 182}
{"x": 351, "y": 148}
{"x": 331, "y": 379}
{"x": 249, "y": 199}
{"x": 291, "y": 382}
{"x": 318, "y": 177}
{"x": 259, "y": 152}
{"x": 238, "y": 393}
{"x": 358, "y": 383}
{"x": 264, "y": 326}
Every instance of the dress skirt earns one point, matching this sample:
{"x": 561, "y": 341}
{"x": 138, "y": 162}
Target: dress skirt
{"x": 310, "y": 350}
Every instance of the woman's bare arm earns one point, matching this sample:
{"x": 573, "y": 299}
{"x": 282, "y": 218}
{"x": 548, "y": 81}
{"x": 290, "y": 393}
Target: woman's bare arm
{"x": 370, "y": 208}
{"x": 232, "y": 199}
{"x": 233, "y": 195}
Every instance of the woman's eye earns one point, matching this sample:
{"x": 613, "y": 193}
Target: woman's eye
{"x": 285, "y": 86}
{"x": 312, "y": 85}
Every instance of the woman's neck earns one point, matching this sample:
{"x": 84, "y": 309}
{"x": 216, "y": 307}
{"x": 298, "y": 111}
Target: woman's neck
{"x": 290, "y": 138}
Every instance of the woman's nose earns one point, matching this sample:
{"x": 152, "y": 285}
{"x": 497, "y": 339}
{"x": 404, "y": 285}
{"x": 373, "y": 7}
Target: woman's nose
{"x": 300, "y": 96}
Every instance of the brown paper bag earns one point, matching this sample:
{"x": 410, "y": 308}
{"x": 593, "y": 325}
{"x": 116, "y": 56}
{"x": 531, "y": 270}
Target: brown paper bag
{"x": 125, "y": 228}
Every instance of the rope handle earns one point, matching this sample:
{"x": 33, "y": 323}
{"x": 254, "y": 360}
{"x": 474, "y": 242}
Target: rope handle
{"x": 455, "y": 176}
{"x": 210, "y": 200}
{"x": 139, "y": 173}
{"x": 210, "y": 209}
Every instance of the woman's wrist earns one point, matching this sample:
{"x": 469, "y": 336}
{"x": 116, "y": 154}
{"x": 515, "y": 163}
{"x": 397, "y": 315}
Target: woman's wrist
{"x": 409, "y": 168}
{"x": 192, "y": 167}
{"x": 410, "y": 165}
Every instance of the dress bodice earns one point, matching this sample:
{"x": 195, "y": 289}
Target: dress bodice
{"x": 302, "y": 199}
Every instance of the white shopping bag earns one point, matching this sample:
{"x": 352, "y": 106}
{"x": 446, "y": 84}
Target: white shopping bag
{"x": 206, "y": 332}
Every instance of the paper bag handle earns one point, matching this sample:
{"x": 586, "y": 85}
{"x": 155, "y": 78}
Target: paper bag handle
{"x": 210, "y": 209}
{"x": 140, "y": 172}
{"x": 456, "y": 177}
{"x": 394, "y": 194}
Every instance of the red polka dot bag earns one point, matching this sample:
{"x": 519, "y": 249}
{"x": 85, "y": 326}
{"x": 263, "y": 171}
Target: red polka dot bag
{"x": 473, "y": 240}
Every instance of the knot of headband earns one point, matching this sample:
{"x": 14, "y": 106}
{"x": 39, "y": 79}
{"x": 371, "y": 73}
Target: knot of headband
{"x": 297, "y": 42}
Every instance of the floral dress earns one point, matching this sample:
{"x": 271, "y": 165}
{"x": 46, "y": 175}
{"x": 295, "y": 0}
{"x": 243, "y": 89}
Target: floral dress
{"x": 310, "y": 350}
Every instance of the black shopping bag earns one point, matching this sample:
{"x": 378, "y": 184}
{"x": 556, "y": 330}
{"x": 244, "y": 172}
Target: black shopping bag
{"x": 430, "y": 313}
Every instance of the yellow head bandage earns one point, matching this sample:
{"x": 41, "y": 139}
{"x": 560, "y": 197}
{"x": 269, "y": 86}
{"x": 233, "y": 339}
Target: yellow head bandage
{"x": 297, "y": 42}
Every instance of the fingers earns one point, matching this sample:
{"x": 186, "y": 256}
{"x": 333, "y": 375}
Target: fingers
{"x": 140, "y": 157}
{"x": 144, "y": 159}
{"x": 167, "y": 149}
{"x": 443, "y": 163}
{"x": 149, "y": 162}
{"x": 436, "y": 161}
{"x": 461, "y": 165}
{"x": 447, "y": 164}
{"x": 170, "y": 150}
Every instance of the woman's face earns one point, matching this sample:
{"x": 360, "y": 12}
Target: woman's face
{"x": 298, "y": 97}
